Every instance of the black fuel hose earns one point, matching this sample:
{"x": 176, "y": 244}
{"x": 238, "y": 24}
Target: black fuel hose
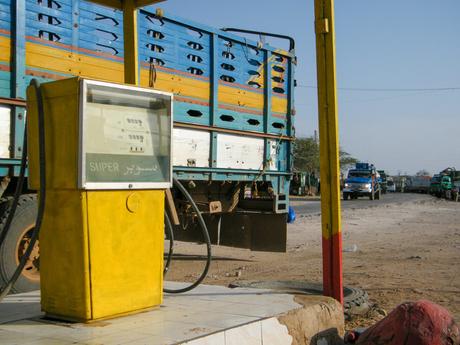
{"x": 204, "y": 230}
{"x": 42, "y": 192}
{"x": 170, "y": 232}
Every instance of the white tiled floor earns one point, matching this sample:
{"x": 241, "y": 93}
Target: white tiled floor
{"x": 207, "y": 315}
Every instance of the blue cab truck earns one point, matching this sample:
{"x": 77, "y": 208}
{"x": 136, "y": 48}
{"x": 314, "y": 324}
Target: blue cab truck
{"x": 363, "y": 180}
{"x": 233, "y": 115}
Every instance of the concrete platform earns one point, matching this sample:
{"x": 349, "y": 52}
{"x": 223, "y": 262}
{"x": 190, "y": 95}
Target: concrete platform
{"x": 207, "y": 315}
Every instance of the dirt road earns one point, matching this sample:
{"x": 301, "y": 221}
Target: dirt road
{"x": 406, "y": 248}
{"x": 305, "y": 207}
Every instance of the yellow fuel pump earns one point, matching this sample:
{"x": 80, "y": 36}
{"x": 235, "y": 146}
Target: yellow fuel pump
{"x": 108, "y": 162}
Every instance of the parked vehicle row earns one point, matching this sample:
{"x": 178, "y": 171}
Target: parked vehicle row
{"x": 364, "y": 180}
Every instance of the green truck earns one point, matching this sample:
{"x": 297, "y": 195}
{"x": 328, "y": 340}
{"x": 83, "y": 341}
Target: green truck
{"x": 453, "y": 186}
{"x": 449, "y": 184}
{"x": 446, "y": 186}
{"x": 435, "y": 185}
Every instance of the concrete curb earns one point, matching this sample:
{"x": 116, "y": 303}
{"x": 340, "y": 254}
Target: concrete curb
{"x": 319, "y": 322}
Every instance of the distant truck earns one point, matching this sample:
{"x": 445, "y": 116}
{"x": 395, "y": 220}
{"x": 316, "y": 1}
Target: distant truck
{"x": 435, "y": 185}
{"x": 303, "y": 183}
{"x": 383, "y": 181}
{"x": 450, "y": 183}
{"x": 445, "y": 186}
{"x": 400, "y": 183}
{"x": 363, "y": 180}
{"x": 456, "y": 190}
{"x": 418, "y": 184}
{"x": 391, "y": 186}
{"x": 456, "y": 186}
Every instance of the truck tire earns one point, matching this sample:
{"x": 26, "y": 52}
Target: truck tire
{"x": 5, "y": 203}
{"x": 447, "y": 195}
{"x": 16, "y": 243}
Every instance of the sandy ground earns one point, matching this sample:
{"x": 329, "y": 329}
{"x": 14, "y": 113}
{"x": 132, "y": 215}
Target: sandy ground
{"x": 399, "y": 251}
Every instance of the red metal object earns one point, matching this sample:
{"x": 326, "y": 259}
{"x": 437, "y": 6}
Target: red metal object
{"x": 414, "y": 323}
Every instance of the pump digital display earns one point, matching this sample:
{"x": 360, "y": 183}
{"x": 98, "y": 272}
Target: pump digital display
{"x": 126, "y": 135}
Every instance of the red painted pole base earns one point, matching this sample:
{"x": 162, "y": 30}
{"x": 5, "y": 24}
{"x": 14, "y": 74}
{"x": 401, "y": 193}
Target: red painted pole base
{"x": 332, "y": 267}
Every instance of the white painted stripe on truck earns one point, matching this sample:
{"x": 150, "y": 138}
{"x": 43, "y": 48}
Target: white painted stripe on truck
{"x": 191, "y": 148}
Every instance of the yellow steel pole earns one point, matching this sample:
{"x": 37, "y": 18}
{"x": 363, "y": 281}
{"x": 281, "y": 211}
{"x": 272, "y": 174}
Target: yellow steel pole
{"x": 130, "y": 42}
{"x": 329, "y": 149}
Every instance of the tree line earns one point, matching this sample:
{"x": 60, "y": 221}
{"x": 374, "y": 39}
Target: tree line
{"x": 306, "y": 156}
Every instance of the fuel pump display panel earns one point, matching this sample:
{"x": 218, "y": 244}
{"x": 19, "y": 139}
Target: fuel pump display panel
{"x": 125, "y": 137}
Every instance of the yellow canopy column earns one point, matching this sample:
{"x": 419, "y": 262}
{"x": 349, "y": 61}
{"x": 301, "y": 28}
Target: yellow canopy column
{"x": 329, "y": 149}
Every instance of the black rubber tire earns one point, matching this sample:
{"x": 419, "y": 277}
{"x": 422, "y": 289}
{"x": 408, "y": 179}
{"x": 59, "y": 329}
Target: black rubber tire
{"x": 26, "y": 214}
{"x": 5, "y": 203}
{"x": 355, "y": 300}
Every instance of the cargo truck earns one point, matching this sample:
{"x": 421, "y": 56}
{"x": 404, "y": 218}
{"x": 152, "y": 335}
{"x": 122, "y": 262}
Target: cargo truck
{"x": 383, "y": 181}
{"x": 391, "y": 186}
{"x": 400, "y": 183}
{"x": 446, "y": 186}
{"x": 233, "y": 115}
{"x": 417, "y": 184}
{"x": 456, "y": 190}
{"x": 450, "y": 183}
{"x": 303, "y": 183}
{"x": 435, "y": 185}
{"x": 363, "y": 180}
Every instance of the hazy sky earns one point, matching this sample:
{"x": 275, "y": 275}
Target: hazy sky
{"x": 391, "y": 44}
